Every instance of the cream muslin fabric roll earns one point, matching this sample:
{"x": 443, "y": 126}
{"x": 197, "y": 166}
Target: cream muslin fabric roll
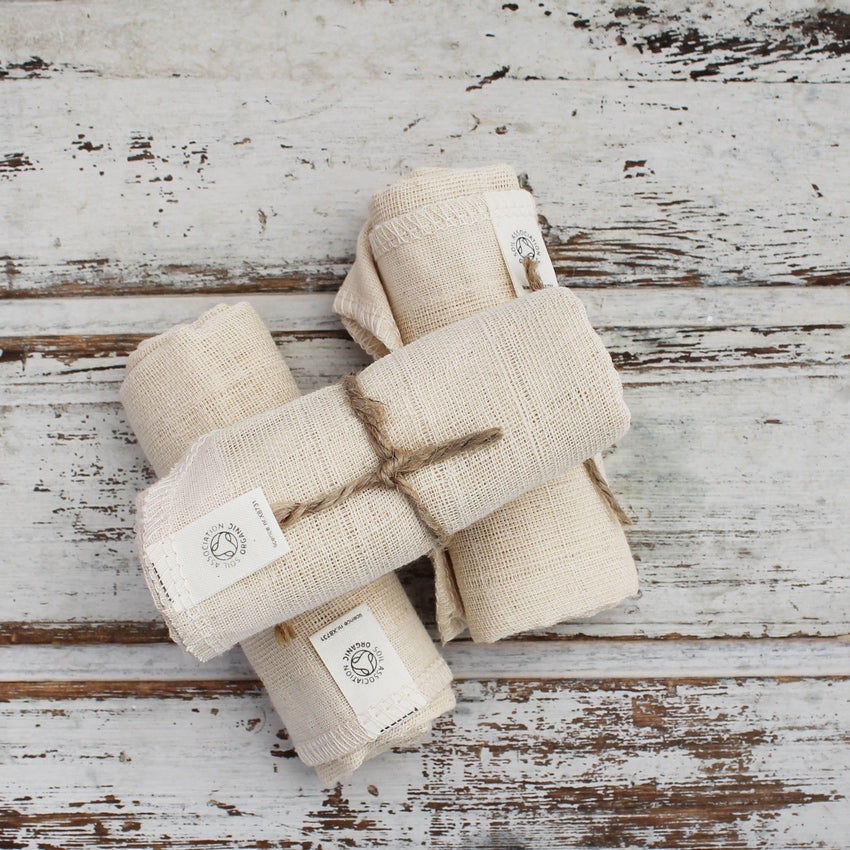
{"x": 533, "y": 368}
{"x": 215, "y": 372}
{"x": 434, "y": 251}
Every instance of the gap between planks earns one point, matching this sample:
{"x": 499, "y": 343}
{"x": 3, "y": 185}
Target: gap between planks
{"x": 509, "y": 660}
{"x": 645, "y": 307}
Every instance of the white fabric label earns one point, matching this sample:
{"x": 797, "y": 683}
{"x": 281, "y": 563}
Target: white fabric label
{"x": 217, "y": 550}
{"x": 514, "y": 218}
{"x": 368, "y": 670}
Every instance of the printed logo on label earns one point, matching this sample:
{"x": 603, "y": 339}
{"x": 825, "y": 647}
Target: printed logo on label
{"x": 218, "y": 549}
{"x": 224, "y": 545}
{"x": 517, "y": 230}
{"x": 524, "y": 244}
{"x": 363, "y": 663}
{"x": 367, "y": 669}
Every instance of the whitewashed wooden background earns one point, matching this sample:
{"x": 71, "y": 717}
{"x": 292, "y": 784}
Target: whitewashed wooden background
{"x": 693, "y": 167}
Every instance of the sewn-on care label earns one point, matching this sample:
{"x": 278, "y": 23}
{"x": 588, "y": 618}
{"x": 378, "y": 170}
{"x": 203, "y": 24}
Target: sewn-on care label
{"x": 368, "y": 670}
{"x": 514, "y": 218}
{"x": 217, "y": 550}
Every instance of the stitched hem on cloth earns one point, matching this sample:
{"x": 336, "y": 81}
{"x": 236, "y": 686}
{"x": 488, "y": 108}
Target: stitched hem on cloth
{"x": 150, "y": 521}
{"x": 426, "y": 221}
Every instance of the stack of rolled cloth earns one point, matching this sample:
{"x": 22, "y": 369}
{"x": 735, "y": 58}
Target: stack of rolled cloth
{"x": 370, "y": 474}
{"x": 215, "y": 372}
{"x": 440, "y": 245}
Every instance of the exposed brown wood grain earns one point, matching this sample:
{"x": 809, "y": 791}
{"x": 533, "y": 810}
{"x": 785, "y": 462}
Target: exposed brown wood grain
{"x": 662, "y": 40}
{"x": 113, "y": 631}
{"x": 69, "y": 348}
{"x": 645, "y": 712}
{"x": 101, "y": 690}
{"x": 633, "y": 350}
{"x": 102, "y": 277}
{"x": 673, "y": 763}
{"x": 753, "y": 41}
{"x": 582, "y": 260}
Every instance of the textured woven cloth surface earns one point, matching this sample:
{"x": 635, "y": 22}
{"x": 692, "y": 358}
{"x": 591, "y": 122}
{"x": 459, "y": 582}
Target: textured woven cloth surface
{"x": 532, "y": 367}
{"x": 215, "y": 372}
{"x": 428, "y": 256}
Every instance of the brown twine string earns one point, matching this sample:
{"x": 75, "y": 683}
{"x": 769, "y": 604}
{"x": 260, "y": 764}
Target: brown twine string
{"x": 532, "y": 275}
{"x": 535, "y": 282}
{"x": 394, "y": 465}
{"x": 605, "y": 491}
{"x": 284, "y": 633}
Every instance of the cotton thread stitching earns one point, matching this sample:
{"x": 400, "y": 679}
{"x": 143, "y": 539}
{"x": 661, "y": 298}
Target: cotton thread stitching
{"x": 417, "y": 224}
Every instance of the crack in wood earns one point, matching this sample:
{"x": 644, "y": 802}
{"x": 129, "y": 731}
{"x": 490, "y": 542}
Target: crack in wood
{"x": 33, "y": 68}
{"x": 498, "y": 74}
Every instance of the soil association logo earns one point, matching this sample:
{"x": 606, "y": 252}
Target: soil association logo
{"x": 224, "y": 545}
{"x": 363, "y": 662}
{"x": 524, "y": 244}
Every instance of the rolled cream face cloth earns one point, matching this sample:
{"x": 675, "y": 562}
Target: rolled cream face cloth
{"x": 215, "y": 372}
{"x": 370, "y": 474}
{"x": 440, "y": 245}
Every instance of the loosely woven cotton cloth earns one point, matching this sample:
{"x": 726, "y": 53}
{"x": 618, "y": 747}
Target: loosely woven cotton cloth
{"x": 430, "y": 254}
{"x": 532, "y": 368}
{"x": 215, "y": 372}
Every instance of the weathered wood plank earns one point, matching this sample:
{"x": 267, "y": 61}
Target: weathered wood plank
{"x": 85, "y": 368}
{"x": 608, "y": 307}
{"x": 734, "y": 466}
{"x": 31, "y": 669}
{"x": 254, "y": 186}
{"x": 733, "y": 763}
{"x": 489, "y": 41}
{"x": 134, "y": 317}
{"x": 73, "y": 350}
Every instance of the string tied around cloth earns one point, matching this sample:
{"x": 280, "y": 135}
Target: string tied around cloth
{"x": 393, "y": 467}
{"x": 284, "y": 633}
{"x": 535, "y": 282}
